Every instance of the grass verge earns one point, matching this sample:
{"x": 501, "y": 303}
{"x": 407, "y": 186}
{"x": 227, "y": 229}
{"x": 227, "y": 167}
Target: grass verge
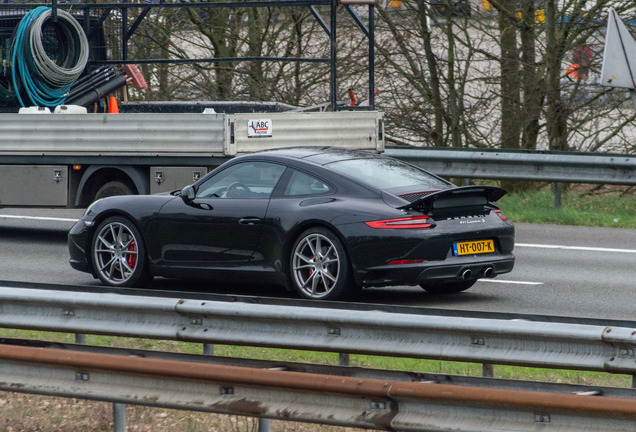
{"x": 582, "y": 206}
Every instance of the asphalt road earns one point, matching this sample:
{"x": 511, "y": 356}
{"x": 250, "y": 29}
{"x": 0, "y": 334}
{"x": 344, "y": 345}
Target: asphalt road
{"x": 560, "y": 270}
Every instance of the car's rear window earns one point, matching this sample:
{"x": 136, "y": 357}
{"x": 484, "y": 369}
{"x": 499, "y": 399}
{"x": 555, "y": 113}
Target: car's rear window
{"x": 386, "y": 173}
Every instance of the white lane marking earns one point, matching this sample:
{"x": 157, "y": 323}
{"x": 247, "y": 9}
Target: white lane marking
{"x": 580, "y": 248}
{"x": 43, "y": 218}
{"x": 511, "y": 282}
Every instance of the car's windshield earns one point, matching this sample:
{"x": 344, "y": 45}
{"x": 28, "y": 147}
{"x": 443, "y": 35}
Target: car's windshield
{"x": 387, "y": 173}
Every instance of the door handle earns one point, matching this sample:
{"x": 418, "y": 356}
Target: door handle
{"x": 249, "y": 221}
{"x": 204, "y": 206}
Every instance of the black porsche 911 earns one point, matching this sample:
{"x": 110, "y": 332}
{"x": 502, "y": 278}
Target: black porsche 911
{"x": 321, "y": 221}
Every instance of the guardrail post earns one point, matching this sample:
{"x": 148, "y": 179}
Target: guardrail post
{"x": 119, "y": 410}
{"x": 557, "y": 195}
{"x": 343, "y": 359}
{"x": 264, "y": 425}
{"x": 488, "y": 370}
{"x": 119, "y": 417}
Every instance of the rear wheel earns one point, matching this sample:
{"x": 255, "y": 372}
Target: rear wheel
{"x": 119, "y": 254}
{"x": 440, "y": 288}
{"x": 319, "y": 266}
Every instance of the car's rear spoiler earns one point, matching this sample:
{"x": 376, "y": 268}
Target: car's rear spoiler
{"x": 457, "y": 197}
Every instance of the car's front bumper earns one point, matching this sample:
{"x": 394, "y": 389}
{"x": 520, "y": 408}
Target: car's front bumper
{"x": 78, "y": 243}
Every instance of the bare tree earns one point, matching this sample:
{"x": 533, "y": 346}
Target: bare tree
{"x": 426, "y": 60}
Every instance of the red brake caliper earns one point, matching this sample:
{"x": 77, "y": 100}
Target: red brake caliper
{"x": 132, "y": 258}
{"x": 310, "y": 270}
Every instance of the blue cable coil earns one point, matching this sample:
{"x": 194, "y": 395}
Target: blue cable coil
{"x": 45, "y": 82}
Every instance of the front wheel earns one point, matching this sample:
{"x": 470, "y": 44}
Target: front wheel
{"x": 440, "y": 288}
{"x": 119, "y": 254}
{"x": 319, "y": 266}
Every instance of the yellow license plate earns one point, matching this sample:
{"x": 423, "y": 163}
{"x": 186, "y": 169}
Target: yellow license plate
{"x": 473, "y": 247}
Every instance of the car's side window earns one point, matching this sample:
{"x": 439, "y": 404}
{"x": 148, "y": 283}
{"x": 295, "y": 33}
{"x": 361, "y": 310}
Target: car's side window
{"x": 303, "y": 184}
{"x": 247, "y": 180}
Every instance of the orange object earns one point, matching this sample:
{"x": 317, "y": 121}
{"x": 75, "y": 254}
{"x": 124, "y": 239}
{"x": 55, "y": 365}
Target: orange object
{"x": 112, "y": 106}
{"x": 573, "y": 72}
{"x": 352, "y": 96}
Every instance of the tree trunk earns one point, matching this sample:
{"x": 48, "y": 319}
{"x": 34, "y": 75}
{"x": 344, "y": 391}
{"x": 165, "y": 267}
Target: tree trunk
{"x": 437, "y": 135}
{"x": 531, "y": 79}
{"x": 556, "y": 108}
{"x": 510, "y": 82}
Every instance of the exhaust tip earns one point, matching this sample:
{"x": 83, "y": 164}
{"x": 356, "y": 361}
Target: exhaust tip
{"x": 488, "y": 272}
{"x": 466, "y": 274}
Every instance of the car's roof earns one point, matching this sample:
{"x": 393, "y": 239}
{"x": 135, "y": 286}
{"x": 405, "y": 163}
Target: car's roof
{"x": 320, "y": 155}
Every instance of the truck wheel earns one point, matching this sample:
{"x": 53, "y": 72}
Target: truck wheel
{"x": 113, "y": 188}
{"x": 119, "y": 254}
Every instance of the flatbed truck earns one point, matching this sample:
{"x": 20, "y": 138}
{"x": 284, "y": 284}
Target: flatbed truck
{"x": 71, "y": 160}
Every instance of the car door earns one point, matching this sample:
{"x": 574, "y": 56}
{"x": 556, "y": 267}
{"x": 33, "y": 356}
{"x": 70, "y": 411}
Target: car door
{"x": 221, "y": 226}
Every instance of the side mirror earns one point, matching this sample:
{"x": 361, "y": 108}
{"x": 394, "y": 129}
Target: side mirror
{"x": 188, "y": 194}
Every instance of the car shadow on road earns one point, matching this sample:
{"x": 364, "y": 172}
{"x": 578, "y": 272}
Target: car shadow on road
{"x": 415, "y": 296}
{"x": 404, "y": 296}
{"x": 34, "y": 235}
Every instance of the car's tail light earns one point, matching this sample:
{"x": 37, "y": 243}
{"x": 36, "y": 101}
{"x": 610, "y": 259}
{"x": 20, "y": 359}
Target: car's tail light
{"x": 501, "y": 215}
{"x": 415, "y": 222}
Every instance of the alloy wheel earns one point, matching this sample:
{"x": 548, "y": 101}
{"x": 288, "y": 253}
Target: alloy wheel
{"x": 316, "y": 266}
{"x": 116, "y": 253}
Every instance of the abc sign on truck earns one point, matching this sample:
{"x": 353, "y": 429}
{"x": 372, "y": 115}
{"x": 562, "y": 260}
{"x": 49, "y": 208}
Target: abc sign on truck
{"x": 259, "y": 128}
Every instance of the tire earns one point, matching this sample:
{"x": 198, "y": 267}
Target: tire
{"x": 113, "y": 188}
{"x": 441, "y": 288}
{"x": 319, "y": 267}
{"x": 119, "y": 255}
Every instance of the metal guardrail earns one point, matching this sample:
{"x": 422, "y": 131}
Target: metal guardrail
{"x": 522, "y": 165}
{"x": 359, "y": 401}
{"x": 511, "y": 342}
{"x": 409, "y": 406}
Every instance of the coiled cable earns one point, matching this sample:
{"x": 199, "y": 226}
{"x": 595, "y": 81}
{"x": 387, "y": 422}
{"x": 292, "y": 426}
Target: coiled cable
{"x": 47, "y": 82}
